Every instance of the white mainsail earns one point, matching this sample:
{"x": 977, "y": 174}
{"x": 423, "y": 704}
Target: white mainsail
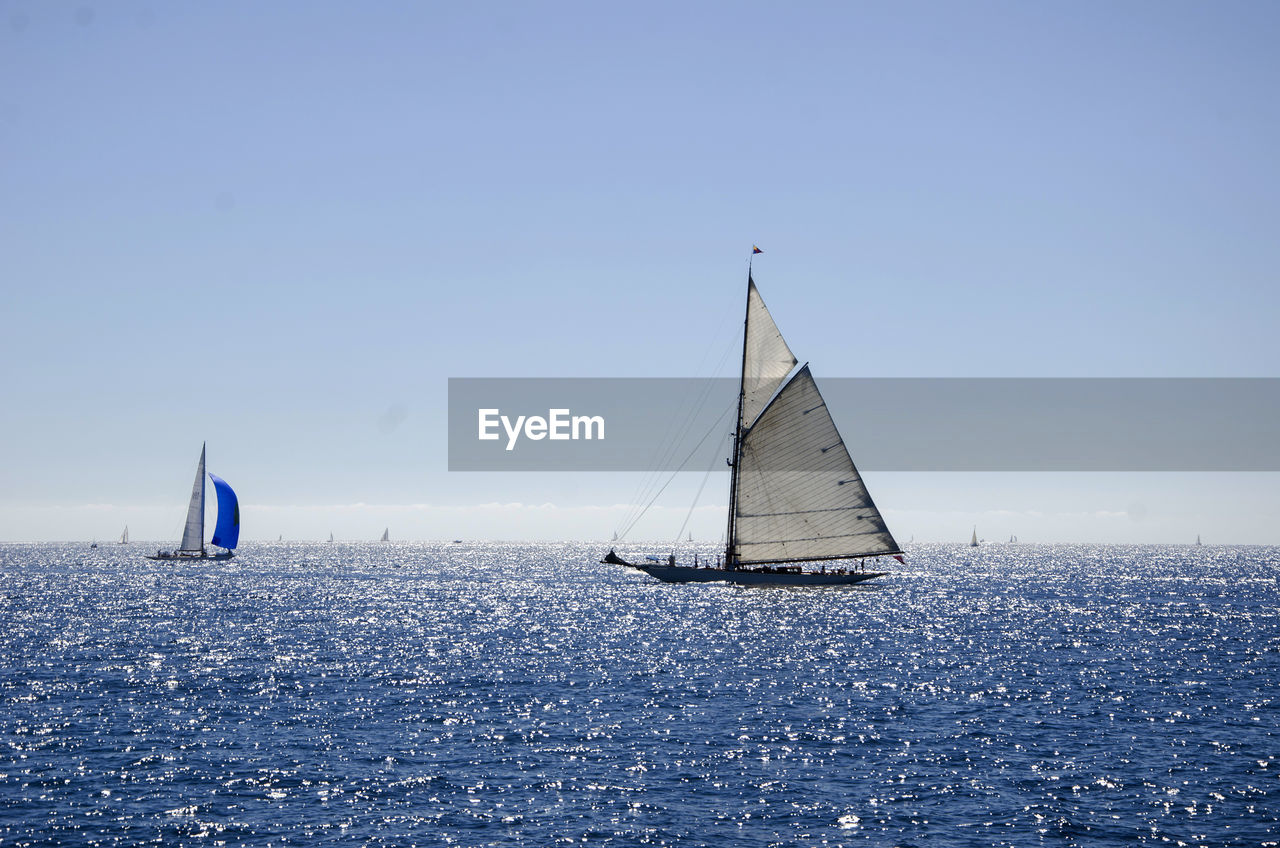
{"x": 973, "y": 541}
{"x": 766, "y": 359}
{"x": 799, "y": 495}
{"x": 386, "y": 535}
{"x": 193, "y": 532}
{"x": 124, "y": 537}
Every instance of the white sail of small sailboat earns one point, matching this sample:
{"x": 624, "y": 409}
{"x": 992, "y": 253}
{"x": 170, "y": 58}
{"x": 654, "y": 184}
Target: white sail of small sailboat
{"x": 124, "y": 537}
{"x": 386, "y": 535}
{"x": 1198, "y": 540}
{"x": 226, "y": 533}
{"x": 973, "y": 540}
{"x": 795, "y": 496}
{"x": 331, "y": 538}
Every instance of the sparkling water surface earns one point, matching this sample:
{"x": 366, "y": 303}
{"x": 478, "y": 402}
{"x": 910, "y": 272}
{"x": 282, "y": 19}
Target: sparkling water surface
{"x": 524, "y": 695}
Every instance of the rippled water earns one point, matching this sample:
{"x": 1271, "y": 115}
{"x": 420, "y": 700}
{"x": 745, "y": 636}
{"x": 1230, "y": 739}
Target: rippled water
{"x": 523, "y": 695}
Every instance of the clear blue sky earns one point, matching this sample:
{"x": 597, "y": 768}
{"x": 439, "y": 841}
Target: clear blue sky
{"x": 282, "y": 227}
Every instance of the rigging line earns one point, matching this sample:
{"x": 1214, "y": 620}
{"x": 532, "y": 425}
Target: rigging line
{"x": 673, "y": 474}
{"x": 696, "y": 497}
{"x": 693, "y": 410}
{"x": 668, "y": 446}
{"x": 670, "y": 443}
{"x": 677, "y": 471}
{"x": 643, "y": 506}
{"x": 639, "y": 510}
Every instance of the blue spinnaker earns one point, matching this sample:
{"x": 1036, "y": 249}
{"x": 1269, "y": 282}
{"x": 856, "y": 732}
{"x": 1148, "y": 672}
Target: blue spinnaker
{"x": 227, "y": 533}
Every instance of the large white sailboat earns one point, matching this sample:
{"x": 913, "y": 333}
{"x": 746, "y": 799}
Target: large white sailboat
{"x": 226, "y": 533}
{"x": 799, "y": 512}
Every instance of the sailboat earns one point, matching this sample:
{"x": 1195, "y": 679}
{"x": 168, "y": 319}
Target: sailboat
{"x": 1198, "y": 540}
{"x": 331, "y": 538}
{"x": 386, "y": 535}
{"x": 795, "y": 496}
{"x": 124, "y": 537}
{"x": 973, "y": 540}
{"x": 226, "y": 534}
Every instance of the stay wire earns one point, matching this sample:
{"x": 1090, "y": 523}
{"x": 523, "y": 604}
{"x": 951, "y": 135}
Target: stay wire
{"x": 679, "y": 468}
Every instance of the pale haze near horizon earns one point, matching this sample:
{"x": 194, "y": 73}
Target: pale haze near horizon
{"x": 282, "y": 228}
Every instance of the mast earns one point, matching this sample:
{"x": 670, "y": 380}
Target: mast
{"x": 730, "y": 547}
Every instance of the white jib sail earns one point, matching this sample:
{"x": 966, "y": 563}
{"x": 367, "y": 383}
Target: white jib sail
{"x": 193, "y": 533}
{"x": 766, "y": 360}
{"x": 799, "y": 496}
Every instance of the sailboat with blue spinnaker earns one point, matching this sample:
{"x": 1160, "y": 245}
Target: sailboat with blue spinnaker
{"x": 226, "y": 533}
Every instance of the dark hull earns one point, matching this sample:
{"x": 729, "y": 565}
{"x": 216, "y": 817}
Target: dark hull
{"x": 689, "y": 574}
{"x": 190, "y": 557}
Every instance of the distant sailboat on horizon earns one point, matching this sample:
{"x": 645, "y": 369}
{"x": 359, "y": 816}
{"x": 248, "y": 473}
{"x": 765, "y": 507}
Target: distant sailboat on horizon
{"x": 226, "y": 533}
{"x": 386, "y": 535}
{"x": 1198, "y": 540}
{"x": 331, "y": 538}
{"x": 973, "y": 540}
{"x": 124, "y": 537}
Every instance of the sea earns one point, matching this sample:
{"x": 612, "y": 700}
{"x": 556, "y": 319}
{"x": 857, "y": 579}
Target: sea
{"x": 527, "y": 695}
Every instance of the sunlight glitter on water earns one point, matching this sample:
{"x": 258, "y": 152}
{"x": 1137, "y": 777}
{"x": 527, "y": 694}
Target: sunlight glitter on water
{"x": 524, "y": 694}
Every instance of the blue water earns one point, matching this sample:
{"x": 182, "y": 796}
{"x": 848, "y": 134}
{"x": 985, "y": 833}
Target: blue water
{"x": 522, "y": 695}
